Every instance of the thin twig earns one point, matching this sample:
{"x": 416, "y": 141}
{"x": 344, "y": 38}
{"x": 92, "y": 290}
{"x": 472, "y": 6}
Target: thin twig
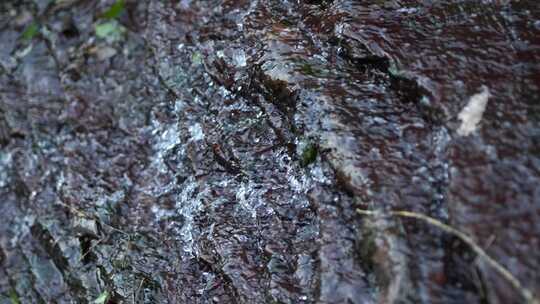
{"x": 92, "y": 248}
{"x": 526, "y": 293}
{"x": 136, "y": 294}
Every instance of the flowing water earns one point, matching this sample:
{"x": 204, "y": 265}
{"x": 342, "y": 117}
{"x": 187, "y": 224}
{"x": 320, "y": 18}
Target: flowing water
{"x": 217, "y": 151}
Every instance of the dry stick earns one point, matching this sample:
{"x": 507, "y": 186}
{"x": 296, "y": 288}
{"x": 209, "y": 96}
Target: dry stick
{"x": 92, "y": 248}
{"x": 527, "y": 294}
{"x": 136, "y": 294}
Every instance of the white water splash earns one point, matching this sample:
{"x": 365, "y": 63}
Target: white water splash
{"x": 239, "y": 58}
{"x": 5, "y": 163}
{"x": 196, "y": 132}
{"x": 249, "y": 197}
{"x": 189, "y": 203}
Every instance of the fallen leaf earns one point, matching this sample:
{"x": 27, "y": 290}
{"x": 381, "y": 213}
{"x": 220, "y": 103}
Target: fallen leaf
{"x": 472, "y": 113}
{"x": 102, "y": 299}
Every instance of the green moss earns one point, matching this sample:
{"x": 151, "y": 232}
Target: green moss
{"x": 309, "y": 155}
{"x": 115, "y": 10}
{"x": 30, "y": 32}
{"x": 14, "y": 297}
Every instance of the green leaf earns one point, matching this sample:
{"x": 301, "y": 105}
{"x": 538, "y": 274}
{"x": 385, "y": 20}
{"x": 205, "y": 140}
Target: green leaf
{"x": 30, "y": 32}
{"x": 110, "y": 30}
{"x": 115, "y": 10}
{"x": 102, "y": 299}
{"x": 105, "y": 30}
{"x": 196, "y": 58}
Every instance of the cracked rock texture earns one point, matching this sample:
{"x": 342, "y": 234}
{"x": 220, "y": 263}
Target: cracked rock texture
{"x": 216, "y": 151}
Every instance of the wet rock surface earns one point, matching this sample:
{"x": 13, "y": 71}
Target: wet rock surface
{"x": 217, "y": 151}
